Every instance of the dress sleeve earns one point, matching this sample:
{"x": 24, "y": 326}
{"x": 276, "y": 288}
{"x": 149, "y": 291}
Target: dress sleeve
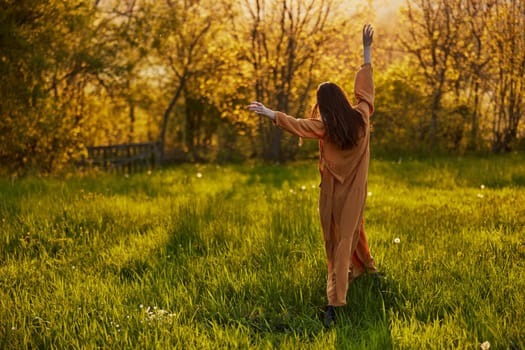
{"x": 307, "y": 128}
{"x": 364, "y": 89}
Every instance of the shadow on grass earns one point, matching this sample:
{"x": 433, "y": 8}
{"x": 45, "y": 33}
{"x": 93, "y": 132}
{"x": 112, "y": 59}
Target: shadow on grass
{"x": 362, "y": 324}
{"x": 274, "y": 315}
{"x": 257, "y": 288}
{"x": 278, "y": 175}
{"x": 274, "y": 302}
{"x": 493, "y": 171}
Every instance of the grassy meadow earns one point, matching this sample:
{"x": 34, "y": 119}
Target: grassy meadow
{"x": 232, "y": 257}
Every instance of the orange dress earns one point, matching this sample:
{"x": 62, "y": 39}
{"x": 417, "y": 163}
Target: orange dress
{"x": 343, "y": 191}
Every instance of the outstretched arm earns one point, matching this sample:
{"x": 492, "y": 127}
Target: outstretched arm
{"x": 368, "y": 37}
{"x": 308, "y": 128}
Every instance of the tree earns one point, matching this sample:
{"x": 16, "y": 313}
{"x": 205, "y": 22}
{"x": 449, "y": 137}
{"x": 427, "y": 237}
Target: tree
{"x": 49, "y": 57}
{"x": 400, "y": 109}
{"x": 432, "y": 39}
{"x": 124, "y": 107}
{"x": 475, "y": 59}
{"x": 188, "y": 46}
{"x": 508, "y": 57}
{"x": 287, "y": 42}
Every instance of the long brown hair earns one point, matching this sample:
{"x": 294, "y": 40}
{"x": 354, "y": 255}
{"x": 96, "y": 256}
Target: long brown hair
{"x": 344, "y": 125}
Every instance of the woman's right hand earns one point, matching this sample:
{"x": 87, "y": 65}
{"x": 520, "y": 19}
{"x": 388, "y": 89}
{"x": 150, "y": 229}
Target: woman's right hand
{"x": 259, "y": 108}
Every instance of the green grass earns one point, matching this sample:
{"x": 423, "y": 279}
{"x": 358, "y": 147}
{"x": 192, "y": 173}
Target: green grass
{"x": 235, "y": 259}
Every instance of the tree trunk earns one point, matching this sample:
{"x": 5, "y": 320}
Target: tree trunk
{"x": 167, "y": 114}
{"x": 275, "y": 151}
{"x": 131, "y": 122}
{"x": 436, "y": 102}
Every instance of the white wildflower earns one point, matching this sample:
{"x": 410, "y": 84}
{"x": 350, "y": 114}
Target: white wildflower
{"x": 397, "y": 240}
{"x": 480, "y": 195}
{"x": 485, "y": 345}
{"x": 482, "y": 187}
{"x": 154, "y": 314}
{"x": 303, "y": 187}
{"x": 199, "y": 175}
{"x": 369, "y": 194}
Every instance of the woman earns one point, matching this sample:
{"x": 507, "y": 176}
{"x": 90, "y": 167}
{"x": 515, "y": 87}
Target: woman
{"x": 344, "y": 134}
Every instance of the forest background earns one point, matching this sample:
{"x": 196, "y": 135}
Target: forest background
{"x": 450, "y": 76}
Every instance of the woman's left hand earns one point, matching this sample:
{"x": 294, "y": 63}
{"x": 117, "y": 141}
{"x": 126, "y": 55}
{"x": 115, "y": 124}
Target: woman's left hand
{"x": 368, "y": 35}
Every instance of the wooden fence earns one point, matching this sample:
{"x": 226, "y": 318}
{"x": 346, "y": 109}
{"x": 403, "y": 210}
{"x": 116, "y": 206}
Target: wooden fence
{"x": 127, "y": 158}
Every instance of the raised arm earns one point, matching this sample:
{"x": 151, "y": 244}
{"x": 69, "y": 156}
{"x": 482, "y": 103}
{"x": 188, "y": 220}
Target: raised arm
{"x": 364, "y": 83}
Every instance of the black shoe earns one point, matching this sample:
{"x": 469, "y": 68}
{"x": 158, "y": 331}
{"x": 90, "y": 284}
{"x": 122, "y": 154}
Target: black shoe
{"x": 379, "y": 277}
{"x": 329, "y": 316}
